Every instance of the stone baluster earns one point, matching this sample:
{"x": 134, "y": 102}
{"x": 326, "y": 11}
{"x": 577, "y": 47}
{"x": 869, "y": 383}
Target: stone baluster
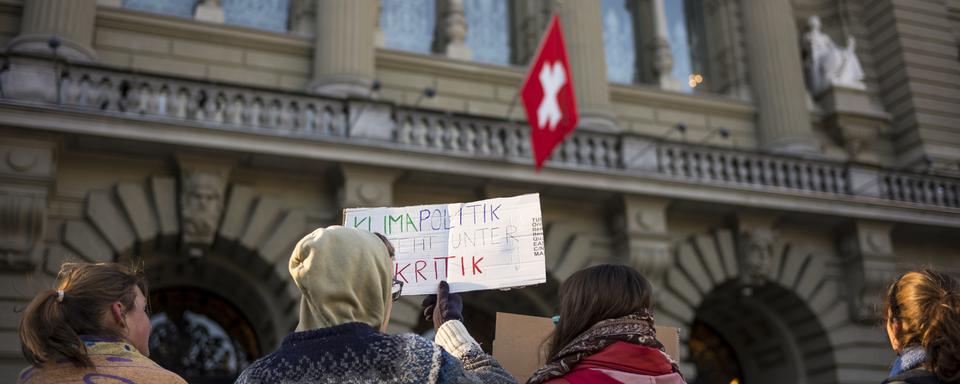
{"x": 470, "y": 138}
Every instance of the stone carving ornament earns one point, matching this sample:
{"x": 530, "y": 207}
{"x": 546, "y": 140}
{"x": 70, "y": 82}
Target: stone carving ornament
{"x": 22, "y": 219}
{"x": 201, "y": 203}
{"x": 829, "y": 64}
{"x": 756, "y": 255}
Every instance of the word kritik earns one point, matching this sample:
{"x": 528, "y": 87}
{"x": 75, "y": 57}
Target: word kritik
{"x": 438, "y": 268}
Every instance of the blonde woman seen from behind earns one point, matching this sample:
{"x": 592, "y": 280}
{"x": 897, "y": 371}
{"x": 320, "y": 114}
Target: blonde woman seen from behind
{"x": 93, "y": 327}
{"x": 923, "y": 324}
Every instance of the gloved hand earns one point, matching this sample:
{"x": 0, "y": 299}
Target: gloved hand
{"x": 443, "y": 306}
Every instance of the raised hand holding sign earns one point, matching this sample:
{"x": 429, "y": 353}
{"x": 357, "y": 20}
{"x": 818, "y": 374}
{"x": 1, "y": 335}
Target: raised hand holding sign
{"x": 487, "y": 244}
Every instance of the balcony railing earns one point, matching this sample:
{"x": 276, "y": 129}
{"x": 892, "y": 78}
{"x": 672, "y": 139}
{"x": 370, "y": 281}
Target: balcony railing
{"x": 227, "y": 106}
{"x": 263, "y": 111}
{"x": 743, "y": 168}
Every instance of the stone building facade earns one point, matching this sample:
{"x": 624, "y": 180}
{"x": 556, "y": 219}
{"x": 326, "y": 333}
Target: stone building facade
{"x": 201, "y": 139}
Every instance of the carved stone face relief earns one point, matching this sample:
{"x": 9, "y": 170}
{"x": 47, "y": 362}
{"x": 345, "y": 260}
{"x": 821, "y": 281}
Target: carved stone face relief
{"x": 756, "y": 254}
{"x": 201, "y": 203}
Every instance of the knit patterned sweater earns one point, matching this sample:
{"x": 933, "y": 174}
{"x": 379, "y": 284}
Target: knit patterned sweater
{"x": 115, "y": 361}
{"x": 356, "y": 353}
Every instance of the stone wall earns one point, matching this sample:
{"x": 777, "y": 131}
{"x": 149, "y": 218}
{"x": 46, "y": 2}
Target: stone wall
{"x": 187, "y": 48}
{"x": 9, "y": 21}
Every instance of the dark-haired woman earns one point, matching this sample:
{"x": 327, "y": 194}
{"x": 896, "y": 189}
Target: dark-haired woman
{"x": 923, "y": 323}
{"x": 605, "y": 333}
{"x": 92, "y": 328}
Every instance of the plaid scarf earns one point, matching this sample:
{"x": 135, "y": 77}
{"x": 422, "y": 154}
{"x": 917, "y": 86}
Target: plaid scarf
{"x": 635, "y": 329}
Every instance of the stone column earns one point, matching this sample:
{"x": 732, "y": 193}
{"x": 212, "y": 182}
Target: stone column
{"x": 776, "y": 74}
{"x": 643, "y": 236}
{"x": 72, "y": 22}
{"x": 583, "y": 33}
{"x": 869, "y": 264}
{"x": 659, "y": 47}
{"x": 725, "y": 43}
{"x": 529, "y": 18}
{"x": 344, "y": 47}
{"x": 27, "y": 175}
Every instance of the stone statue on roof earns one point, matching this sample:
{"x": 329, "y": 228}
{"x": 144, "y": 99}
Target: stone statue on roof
{"x": 829, "y": 64}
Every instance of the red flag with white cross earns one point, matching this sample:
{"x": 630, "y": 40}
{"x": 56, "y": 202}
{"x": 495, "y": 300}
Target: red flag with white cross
{"x": 547, "y": 95}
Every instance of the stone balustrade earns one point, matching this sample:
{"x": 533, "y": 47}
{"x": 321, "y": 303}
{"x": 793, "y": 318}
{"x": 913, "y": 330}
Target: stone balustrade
{"x": 133, "y": 95}
{"x": 921, "y": 189}
{"x": 155, "y": 96}
{"x": 499, "y": 139}
{"x": 745, "y": 168}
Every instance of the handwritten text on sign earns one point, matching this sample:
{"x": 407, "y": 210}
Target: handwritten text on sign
{"x": 495, "y": 243}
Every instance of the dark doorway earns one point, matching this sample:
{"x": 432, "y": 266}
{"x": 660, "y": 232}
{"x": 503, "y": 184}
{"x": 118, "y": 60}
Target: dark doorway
{"x": 200, "y": 335}
{"x": 716, "y": 361}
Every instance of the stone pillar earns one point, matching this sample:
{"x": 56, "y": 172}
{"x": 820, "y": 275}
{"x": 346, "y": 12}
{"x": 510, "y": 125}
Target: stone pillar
{"x": 644, "y": 240}
{"x": 26, "y": 176}
{"x": 728, "y": 70}
{"x": 869, "y": 264}
{"x": 583, "y": 33}
{"x": 776, "y": 74}
{"x": 72, "y": 22}
{"x": 344, "y": 47}
{"x": 659, "y": 47}
{"x": 529, "y": 19}
{"x": 365, "y": 186}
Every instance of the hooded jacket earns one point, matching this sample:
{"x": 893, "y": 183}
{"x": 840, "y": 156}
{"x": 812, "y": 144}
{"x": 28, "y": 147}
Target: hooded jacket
{"x": 344, "y": 276}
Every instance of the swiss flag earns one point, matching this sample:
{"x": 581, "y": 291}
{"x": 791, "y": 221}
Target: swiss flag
{"x": 547, "y": 95}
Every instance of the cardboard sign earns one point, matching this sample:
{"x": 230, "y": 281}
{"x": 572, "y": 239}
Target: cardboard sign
{"x": 487, "y": 244}
{"x": 520, "y": 348}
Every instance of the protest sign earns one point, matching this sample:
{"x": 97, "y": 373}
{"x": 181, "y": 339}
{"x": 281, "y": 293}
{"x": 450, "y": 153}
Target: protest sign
{"x": 519, "y": 345}
{"x": 487, "y": 244}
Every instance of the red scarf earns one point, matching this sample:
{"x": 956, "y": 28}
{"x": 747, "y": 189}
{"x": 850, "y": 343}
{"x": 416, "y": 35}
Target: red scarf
{"x": 635, "y": 329}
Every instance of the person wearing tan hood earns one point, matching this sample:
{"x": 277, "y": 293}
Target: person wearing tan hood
{"x": 345, "y": 276}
